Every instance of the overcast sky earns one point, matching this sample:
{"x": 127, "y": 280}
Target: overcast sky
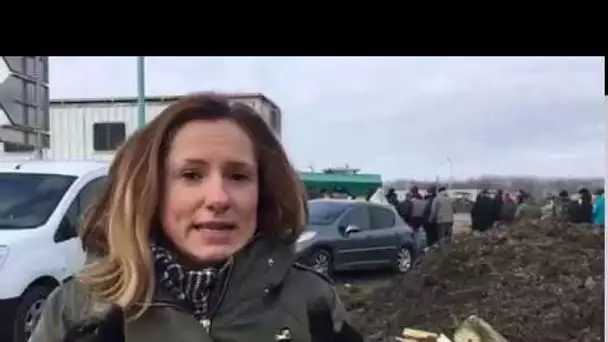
{"x": 401, "y": 117}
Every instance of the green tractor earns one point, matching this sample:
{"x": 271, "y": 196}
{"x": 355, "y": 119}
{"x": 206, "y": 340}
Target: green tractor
{"x": 340, "y": 183}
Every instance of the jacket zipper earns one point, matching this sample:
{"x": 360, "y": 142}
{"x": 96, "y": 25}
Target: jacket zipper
{"x": 206, "y": 322}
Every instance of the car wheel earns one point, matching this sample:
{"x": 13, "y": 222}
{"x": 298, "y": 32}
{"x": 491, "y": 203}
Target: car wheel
{"x": 320, "y": 260}
{"x": 405, "y": 260}
{"x": 28, "y": 312}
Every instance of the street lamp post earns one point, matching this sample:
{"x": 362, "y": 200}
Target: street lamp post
{"x": 141, "y": 93}
{"x": 450, "y": 164}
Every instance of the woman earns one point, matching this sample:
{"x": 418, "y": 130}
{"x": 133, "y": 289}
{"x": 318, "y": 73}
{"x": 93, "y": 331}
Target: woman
{"x": 193, "y": 240}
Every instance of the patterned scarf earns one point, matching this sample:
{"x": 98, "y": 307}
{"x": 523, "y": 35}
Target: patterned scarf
{"x": 192, "y": 287}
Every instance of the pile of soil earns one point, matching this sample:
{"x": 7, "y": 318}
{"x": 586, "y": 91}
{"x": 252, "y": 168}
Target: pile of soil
{"x": 533, "y": 281}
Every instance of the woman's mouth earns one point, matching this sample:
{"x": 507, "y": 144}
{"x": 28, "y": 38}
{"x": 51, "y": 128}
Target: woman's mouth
{"x": 215, "y": 226}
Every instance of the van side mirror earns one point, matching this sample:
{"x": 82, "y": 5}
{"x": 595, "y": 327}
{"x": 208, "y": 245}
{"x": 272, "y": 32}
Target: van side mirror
{"x": 66, "y": 231}
{"x": 351, "y": 229}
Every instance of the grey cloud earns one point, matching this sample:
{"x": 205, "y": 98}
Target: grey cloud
{"x": 396, "y": 116}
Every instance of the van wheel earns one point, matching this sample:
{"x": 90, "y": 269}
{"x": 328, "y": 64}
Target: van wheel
{"x": 28, "y": 312}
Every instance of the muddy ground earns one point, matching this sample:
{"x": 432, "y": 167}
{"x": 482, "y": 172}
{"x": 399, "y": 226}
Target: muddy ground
{"x": 535, "y": 281}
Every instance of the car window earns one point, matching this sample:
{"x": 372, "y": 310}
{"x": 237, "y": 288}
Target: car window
{"x": 381, "y": 218}
{"x": 88, "y": 194}
{"x": 27, "y": 200}
{"x": 356, "y": 216}
{"x": 325, "y": 212}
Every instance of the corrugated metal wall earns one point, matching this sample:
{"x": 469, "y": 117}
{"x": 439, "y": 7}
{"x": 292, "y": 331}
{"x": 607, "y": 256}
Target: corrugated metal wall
{"x": 71, "y": 125}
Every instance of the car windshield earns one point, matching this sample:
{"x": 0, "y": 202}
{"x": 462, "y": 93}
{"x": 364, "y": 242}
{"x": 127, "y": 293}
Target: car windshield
{"x": 28, "y": 200}
{"x": 325, "y": 212}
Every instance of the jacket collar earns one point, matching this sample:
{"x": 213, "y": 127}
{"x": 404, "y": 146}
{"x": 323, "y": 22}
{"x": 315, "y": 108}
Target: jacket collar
{"x": 256, "y": 270}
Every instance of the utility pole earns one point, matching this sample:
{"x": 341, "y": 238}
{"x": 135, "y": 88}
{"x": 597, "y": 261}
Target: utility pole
{"x": 37, "y": 74}
{"x": 451, "y": 175}
{"x": 141, "y": 92}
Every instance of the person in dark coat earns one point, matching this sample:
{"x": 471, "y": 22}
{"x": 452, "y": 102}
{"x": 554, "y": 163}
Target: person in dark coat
{"x": 581, "y": 211}
{"x": 430, "y": 227}
{"x": 585, "y": 210}
{"x": 405, "y": 208}
{"x": 482, "y": 214}
{"x": 498, "y": 203}
{"x": 391, "y": 198}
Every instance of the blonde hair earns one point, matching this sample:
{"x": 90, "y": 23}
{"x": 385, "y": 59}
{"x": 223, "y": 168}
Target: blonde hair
{"x": 117, "y": 228}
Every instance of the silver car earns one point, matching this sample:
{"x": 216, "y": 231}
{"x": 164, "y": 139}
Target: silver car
{"x": 356, "y": 235}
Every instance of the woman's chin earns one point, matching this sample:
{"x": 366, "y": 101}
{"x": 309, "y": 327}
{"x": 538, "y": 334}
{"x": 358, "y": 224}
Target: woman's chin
{"x": 212, "y": 254}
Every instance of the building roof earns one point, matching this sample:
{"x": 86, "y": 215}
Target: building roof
{"x": 69, "y": 168}
{"x": 158, "y": 99}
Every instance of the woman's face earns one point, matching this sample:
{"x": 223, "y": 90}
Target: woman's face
{"x": 211, "y": 190}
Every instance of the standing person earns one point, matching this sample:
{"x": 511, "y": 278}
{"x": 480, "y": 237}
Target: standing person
{"x": 599, "y": 209}
{"x": 562, "y": 203}
{"x": 527, "y": 208}
{"x": 391, "y": 197}
{"x": 442, "y": 213}
{"x": 497, "y": 204}
{"x": 430, "y": 227}
{"x": 418, "y": 208}
{"x": 586, "y": 207}
{"x": 482, "y": 212}
{"x": 508, "y": 208}
{"x": 548, "y": 210}
{"x": 193, "y": 240}
{"x": 405, "y": 208}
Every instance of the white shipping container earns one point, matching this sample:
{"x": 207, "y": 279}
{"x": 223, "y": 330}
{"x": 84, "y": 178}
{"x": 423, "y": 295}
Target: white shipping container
{"x": 91, "y": 129}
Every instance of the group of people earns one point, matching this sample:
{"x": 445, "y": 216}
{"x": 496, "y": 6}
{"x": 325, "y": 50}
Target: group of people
{"x": 433, "y": 212}
{"x": 488, "y": 209}
{"x": 589, "y": 208}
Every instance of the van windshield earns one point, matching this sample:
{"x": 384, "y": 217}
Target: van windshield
{"x": 27, "y": 200}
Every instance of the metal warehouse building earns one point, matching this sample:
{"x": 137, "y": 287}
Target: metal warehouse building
{"x": 94, "y": 128}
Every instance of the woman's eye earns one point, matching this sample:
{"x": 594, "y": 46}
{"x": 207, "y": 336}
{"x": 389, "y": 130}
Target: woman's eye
{"x": 239, "y": 177}
{"x": 191, "y": 175}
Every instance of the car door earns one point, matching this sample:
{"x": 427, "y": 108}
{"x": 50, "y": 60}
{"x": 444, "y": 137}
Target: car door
{"x": 382, "y": 238}
{"x": 66, "y": 235}
{"x": 350, "y": 248}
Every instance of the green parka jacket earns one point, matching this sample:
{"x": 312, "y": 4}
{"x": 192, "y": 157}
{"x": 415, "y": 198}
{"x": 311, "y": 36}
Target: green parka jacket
{"x": 266, "y": 296}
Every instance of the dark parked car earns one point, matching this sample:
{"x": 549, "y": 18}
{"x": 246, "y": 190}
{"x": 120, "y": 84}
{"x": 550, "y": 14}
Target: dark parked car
{"x": 356, "y": 235}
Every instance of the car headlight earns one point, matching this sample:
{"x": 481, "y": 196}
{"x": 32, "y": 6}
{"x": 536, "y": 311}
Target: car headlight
{"x": 304, "y": 240}
{"x": 3, "y": 254}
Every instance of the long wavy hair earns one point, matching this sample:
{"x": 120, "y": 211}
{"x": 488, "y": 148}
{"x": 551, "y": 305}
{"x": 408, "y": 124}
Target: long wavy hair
{"x": 117, "y": 229}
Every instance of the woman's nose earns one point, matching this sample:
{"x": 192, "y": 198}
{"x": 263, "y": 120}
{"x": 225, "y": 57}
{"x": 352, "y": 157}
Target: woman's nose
{"x": 215, "y": 194}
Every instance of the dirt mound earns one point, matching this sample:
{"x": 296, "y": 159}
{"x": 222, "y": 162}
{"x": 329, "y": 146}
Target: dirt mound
{"x": 534, "y": 281}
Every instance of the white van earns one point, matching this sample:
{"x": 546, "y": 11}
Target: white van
{"x": 41, "y": 204}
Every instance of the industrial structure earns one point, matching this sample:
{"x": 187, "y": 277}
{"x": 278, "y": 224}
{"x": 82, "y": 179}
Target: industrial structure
{"x": 24, "y": 99}
{"x": 92, "y": 129}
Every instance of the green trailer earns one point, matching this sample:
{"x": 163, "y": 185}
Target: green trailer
{"x": 356, "y": 184}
